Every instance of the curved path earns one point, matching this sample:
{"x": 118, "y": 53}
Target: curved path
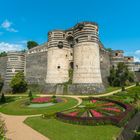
{"x": 17, "y": 130}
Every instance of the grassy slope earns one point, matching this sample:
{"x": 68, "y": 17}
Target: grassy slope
{"x": 57, "y": 130}
{"x": 18, "y": 107}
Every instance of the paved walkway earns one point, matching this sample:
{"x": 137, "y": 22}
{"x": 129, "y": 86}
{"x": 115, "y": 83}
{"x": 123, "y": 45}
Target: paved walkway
{"x": 17, "y": 130}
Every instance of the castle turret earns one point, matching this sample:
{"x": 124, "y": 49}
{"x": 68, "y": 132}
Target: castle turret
{"x": 57, "y": 58}
{"x": 86, "y": 57}
{"x": 15, "y": 64}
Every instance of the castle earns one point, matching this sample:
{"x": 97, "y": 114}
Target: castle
{"x": 73, "y": 58}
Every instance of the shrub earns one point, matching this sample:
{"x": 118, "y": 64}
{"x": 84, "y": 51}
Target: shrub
{"x": 1, "y": 83}
{"x": 137, "y": 84}
{"x": 2, "y": 129}
{"x": 3, "y": 99}
{"x": 18, "y": 83}
{"x": 30, "y": 95}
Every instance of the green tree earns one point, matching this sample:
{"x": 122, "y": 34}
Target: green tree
{"x": 3, "y": 54}
{"x": 120, "y": 75}
{"x": 30, "y": 95}
{"x": 18, "y": 83}
{"x": 1, "y": 83}
{"x": 31, "y": 44}
{"x": 3, "y": 99}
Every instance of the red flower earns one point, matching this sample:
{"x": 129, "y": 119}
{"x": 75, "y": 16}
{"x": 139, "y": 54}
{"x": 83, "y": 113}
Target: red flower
{"x": 112, "y": 109}
{"x": 96, "y": 114}
{"x": 41, "y": 100}
{"x": 73, "y": 114}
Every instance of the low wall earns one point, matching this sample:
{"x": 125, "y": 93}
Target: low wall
{"x": 128, "y": 131}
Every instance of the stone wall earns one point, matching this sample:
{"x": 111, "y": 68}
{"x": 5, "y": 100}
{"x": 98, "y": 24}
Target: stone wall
{"x": 138, "y": 75}
{"x": 36, "y": 68}
{"x": 128, "y": 131}
{"x": 105, "y": 66}
{"x": 3, "y": 65}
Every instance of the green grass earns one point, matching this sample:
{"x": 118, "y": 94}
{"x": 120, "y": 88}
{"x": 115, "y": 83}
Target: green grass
{"x": 57, "y": 130}
{"x": 129, "y": 94}
{"x": 18, "y": 107}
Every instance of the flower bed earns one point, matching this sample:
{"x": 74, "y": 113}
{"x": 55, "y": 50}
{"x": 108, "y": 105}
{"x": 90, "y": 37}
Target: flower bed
{"x": 98, "y": 111}
{"x": 46, "y": 100}
{"x": 41, "y": 100}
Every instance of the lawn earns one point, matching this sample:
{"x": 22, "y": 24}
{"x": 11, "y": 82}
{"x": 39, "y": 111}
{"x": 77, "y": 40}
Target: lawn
{"x": 127, "y": 96}
{"x": 57, "y": 130}
{"x": 18, "y": 107}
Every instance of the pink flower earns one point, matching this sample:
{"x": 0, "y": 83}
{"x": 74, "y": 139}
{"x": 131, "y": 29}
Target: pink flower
{"x": 93, "y": 101}
{"x": 41, "y": 100}
{"x": 73, "y": 113}
{"x": 112, "y": 109}
{"x": 95, "y": 113}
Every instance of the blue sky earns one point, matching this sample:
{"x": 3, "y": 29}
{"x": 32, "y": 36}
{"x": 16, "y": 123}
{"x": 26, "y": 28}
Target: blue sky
{"x": 23, "y": 20}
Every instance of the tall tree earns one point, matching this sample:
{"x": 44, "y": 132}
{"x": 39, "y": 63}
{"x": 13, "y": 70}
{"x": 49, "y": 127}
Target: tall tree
{"x": 120, "y": 75}
{"x": 18, "y": 83}
{"x": 1, "y": 83}
{"x": 31, "y": 44}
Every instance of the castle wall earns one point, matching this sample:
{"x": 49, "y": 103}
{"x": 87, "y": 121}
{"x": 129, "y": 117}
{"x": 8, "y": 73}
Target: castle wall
{"x": 105, "y": 65}
{"x": 36, "y": 65}
{"x": 3, "y": 65}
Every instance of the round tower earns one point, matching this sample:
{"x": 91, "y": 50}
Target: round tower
{"x": 86, "y": 56}
{"x": 57, "y": 58}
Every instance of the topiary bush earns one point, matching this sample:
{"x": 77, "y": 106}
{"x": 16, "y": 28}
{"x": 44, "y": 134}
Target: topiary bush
{"x": 3, "y": 99}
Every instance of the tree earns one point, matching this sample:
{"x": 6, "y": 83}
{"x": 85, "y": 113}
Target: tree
{"x": 18, "y": 83}
{"x": 30, "y": 95}
{"x": 120, "y": 75}
{"x": 3, "y": 99}
{"x": 3, "y": 54}
{"x": 31, "y": 44}
{"x": 1, "y": 83}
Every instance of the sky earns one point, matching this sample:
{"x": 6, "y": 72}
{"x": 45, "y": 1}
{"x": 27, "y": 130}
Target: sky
{"x": 24, "y": 20}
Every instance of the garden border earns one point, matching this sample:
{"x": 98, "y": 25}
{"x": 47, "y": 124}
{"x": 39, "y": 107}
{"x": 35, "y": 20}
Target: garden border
{"x": 118, "y": 120}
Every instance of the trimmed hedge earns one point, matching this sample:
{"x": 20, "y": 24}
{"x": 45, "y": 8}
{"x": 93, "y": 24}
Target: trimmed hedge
{"x": 118, "y": 120}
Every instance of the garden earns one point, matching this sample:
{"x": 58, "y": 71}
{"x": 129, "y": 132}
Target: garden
{"x": 95, "y": 111}
{"x": 38, "y": 105}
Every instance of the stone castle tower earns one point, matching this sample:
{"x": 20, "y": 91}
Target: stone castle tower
{"x": 78, "y": 46}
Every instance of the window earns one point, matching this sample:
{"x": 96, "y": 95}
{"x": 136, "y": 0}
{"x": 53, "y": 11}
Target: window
{"x": 60, "y": 44}
{"x": 71, "y": 65}
{"x": 58, "y": 67}
{"x": 71, "y": 54}
{"x": 76, "y": 40}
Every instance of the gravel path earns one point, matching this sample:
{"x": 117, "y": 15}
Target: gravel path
{"x": 17, "y": 130}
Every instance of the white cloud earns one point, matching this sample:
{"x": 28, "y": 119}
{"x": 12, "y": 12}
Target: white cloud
{"x": 137, "y": 52}
{"x": 4, "y": 46}
{"x": 136, "y": 59}
{"x": 7, "y": 25}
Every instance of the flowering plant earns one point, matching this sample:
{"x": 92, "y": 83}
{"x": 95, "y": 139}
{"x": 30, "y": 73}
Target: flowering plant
{"x": 41, "y": 100}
